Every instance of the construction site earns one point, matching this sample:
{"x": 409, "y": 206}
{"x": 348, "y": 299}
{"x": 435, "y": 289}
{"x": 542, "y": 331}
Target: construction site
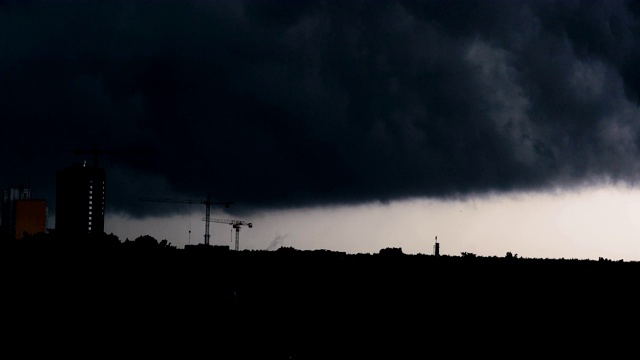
{"x": 81, "y": 204}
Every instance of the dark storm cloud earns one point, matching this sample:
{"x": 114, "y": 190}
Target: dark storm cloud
{"x": 291, "y": 103}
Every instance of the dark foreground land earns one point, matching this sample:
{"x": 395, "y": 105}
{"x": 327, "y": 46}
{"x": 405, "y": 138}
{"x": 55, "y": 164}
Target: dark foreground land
{"x": 89, "y": 301}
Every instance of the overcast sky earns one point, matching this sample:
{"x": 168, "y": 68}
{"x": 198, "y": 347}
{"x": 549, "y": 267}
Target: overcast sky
{"x": 315, "y": 111}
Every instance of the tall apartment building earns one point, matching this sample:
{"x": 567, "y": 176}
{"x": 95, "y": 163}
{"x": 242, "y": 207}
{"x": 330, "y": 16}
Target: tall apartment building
{"x": 80, "y": 200}
{"x": 21, "y": 214}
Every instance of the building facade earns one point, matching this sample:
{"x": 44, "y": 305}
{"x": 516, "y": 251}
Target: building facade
{"x": 80, "y": 200}
{"x": 21, "y": 214}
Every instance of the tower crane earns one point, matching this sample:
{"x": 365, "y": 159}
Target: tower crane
{"x": 236, "y": 225}
{"x": 207, "y": 202}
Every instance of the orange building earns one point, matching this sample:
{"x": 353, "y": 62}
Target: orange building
{"x": 21, "y": 214}
{"x": 31, "y": 217}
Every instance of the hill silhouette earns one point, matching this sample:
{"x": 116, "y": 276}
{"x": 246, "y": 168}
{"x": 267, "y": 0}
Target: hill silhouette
{"x": 146, "y": 295}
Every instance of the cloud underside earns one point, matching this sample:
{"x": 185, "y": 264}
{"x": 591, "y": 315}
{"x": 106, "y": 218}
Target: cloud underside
{"x": 286, "y": 104}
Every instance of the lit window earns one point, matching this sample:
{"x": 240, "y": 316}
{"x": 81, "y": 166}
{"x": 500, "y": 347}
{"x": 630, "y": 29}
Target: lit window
{"x": 89, "y": 228}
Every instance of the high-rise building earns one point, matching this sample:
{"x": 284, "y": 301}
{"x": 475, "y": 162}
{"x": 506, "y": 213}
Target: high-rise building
{"x": 80, "y": 200}
{"x": 21, "y": 214}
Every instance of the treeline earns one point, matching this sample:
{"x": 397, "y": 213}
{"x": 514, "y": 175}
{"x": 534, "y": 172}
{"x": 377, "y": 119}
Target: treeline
{"x": 289, "y": 303}
{"x": 51, "y": 240}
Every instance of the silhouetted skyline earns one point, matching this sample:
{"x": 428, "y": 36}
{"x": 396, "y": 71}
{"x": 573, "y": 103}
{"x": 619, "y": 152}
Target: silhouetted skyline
{"x": 289, "y": 304}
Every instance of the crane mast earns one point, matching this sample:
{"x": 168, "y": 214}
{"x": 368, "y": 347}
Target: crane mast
{"x": 207, "y": 202}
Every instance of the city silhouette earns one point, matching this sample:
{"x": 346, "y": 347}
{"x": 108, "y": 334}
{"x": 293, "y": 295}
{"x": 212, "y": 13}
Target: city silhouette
{"x": 288, "y": 303}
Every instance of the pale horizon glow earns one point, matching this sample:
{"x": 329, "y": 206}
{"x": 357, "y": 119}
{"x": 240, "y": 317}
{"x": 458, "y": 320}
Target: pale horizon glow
{"x": 598, "y": 222}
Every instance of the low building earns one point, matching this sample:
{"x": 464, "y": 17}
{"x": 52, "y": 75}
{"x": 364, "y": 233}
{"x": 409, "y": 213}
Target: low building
{"x": 22, "y": 215}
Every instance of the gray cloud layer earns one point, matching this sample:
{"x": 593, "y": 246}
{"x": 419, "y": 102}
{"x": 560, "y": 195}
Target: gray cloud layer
{"x": 292, "y": 103}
